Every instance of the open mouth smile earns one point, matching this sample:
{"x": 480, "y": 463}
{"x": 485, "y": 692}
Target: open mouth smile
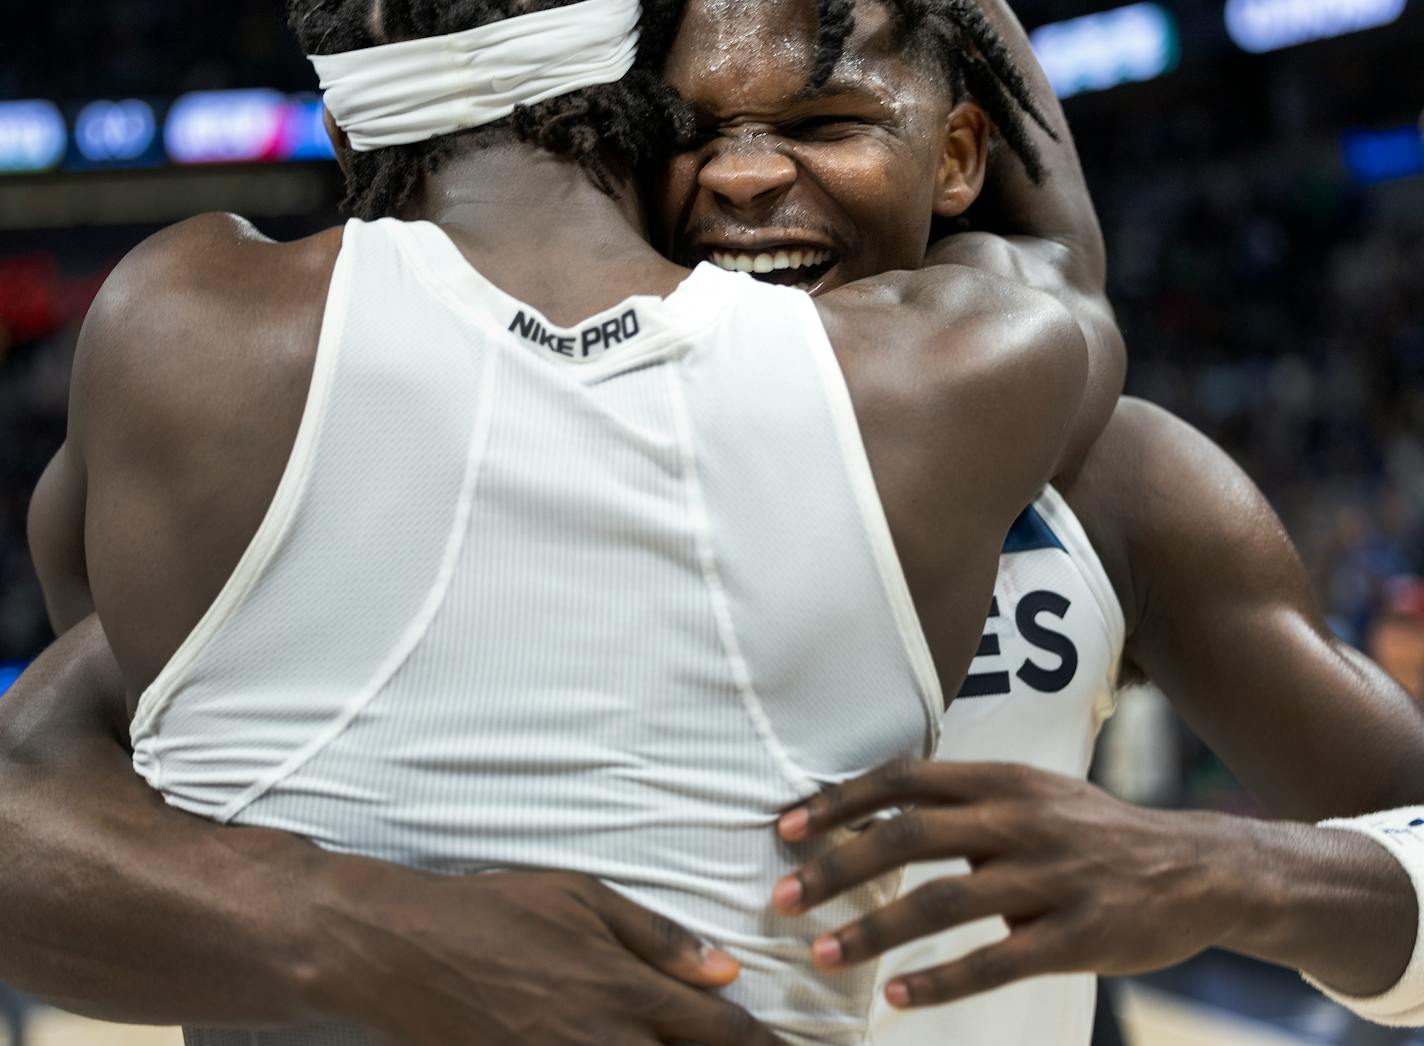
{"x": 799, "y": 266}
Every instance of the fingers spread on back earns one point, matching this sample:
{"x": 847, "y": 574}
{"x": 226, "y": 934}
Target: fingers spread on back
{"x": 925, "y": 834}
{"x": 1032, "y": 950}
{"x": 939, "y": 905}
{"x": 901, "y": 783}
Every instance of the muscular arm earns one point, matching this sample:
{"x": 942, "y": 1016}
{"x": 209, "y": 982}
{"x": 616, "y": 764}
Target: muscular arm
{"x": 115, "y": 906}
{"x": 94, "y": 913}
{"x": 1047, "y": 236}
{"x": 1227, "y": 625}
{"x": 1221, "y": 616}
{"x": 964, "y": 413}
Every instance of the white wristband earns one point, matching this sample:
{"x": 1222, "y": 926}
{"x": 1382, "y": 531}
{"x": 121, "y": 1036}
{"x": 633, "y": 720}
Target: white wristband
{"x": 1401, "y": 832}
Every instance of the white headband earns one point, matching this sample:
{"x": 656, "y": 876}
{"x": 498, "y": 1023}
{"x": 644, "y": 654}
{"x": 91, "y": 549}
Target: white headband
{"x": 414, "y": 90}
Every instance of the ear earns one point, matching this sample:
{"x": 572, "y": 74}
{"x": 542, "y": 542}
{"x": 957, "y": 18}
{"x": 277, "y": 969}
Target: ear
{"x": 340, "y": 141}
{"x": 960, "y": 178}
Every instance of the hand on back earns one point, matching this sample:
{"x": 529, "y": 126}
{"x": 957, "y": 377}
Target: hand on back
{"x": 1084, "y": 881}
{"x": 552, "y": 958}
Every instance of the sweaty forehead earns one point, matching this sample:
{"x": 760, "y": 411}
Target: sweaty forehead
{"x": 754, "y": 55}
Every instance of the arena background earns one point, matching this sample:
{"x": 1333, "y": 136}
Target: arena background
{"x": 1259, "y": 168}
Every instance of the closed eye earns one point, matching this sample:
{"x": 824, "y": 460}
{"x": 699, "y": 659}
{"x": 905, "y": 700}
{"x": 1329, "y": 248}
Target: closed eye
{"x": 707, "y": 129}
{"x": 828, "y": 126}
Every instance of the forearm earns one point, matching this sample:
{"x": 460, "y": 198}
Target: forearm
{"x": 114, "y": 905}
{"x": 1332, "y": 904}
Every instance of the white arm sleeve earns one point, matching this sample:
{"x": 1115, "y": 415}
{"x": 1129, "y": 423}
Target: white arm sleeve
{"x": 1401, "y": 832}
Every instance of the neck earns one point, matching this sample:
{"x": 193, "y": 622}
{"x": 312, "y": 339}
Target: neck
{"x": 521, "y": 194}
{"x": 534, "y": 223}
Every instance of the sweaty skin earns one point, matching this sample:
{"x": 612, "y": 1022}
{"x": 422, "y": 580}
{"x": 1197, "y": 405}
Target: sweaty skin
{"x": 187, "y": 395}
{"x": 1218, "y": 611}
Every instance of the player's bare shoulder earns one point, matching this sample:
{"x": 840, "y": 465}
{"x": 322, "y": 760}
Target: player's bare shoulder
{"x": 952, "y": 338}
{"x": 210, "y": 275}
{"x": 190, "y": 385}
{"x": 942, "y": 308}
{"x": 202, "y": 314}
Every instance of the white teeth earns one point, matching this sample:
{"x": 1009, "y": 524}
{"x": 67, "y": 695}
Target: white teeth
{"x": 767, "y": 262}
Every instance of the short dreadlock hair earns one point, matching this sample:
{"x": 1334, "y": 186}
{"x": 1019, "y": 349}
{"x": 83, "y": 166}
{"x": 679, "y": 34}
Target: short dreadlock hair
{"x": 629, "y": 123}
{"x": 970, "y": 53}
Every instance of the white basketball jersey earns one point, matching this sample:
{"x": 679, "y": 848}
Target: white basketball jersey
{"x": 606, "y": 599}
{"x": 1040, "y": 689}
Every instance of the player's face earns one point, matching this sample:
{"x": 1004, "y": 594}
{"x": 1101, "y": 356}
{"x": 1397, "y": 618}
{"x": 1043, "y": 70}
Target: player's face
{"x": 821, "y": 186}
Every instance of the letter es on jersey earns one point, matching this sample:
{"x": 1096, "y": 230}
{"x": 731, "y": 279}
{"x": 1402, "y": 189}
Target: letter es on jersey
{"x": 1052, "y": 664}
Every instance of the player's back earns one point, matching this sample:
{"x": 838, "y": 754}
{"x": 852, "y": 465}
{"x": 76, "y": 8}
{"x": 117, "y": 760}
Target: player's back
{"x": 190, "y": 385}
{"x": 606, "y": 598}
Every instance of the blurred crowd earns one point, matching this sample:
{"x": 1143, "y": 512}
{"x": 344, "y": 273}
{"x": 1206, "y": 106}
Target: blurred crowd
{"x": 1286, "y": 319}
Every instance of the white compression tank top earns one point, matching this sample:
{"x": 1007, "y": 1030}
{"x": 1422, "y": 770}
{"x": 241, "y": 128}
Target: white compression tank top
{"x": 605, "y": 599}
{"x": 1041, "y": 688}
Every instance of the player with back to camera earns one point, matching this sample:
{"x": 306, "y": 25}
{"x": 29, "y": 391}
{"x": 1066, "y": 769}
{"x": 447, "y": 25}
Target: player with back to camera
{"x": 491, "y": 538}
{"x": 1022, "y": 724}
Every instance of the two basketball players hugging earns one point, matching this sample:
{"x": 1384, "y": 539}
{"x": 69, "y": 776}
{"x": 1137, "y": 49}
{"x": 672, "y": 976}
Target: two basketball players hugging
{"x": 338, "y": 552}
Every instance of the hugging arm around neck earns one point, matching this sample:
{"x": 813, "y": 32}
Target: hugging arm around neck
{"x": 1047, "y": 236}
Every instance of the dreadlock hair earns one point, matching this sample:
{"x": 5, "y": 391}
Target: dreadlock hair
{"x": 970, "y": 52}
{"x": 632, "y": 122}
